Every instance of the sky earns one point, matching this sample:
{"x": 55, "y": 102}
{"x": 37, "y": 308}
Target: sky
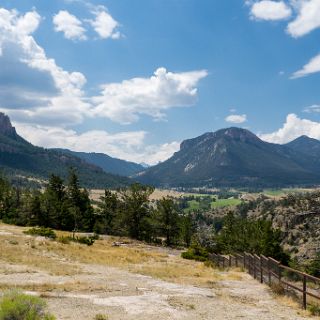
{"x": 134, "y": 78}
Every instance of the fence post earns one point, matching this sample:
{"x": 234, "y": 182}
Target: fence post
{"x": 304, "y": 292}
{"x": 244, "y": 261}
{"x": 269, "y": 272}
{"x": 254, "y": 267}
{"x": 261, "y": 270}
{"x": 279, "y": 271}
{"x": 230, "y": 264}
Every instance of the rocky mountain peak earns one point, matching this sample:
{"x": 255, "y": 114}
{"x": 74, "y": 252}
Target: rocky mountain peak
{"x": 236, "y": 134}
{"x": 6, "y": 127}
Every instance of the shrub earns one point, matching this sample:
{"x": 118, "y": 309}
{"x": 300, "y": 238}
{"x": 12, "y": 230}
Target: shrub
{"x": 314, "y": 266}
{"x": 195, "y": 252}
{"x": 278, "y": 288}
{"x": 89, "y": 241}
{"x": 42, "y": 231}
{"x": 15, "y": 305}
{"x": 100, "y": 316}
{"x": 314, "y": 309}
{"x": 64, "y": 240}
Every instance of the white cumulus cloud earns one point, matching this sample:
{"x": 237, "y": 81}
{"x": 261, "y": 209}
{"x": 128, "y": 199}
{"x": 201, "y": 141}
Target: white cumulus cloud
{"x": 293, "y": 128}
{"x": 44, "y": 110}
{"x": 236, "y": 118}
{"x": 313, "y": 66}
{"x": 104, "y": 24}
{"x": 124, "y": 145}
{"x": 16, "y": 33}
{"x": 307, "y": 20}
{"x": 70, "y": 25}
{"x": 124, "y": 102}
{"x": 270, "y": 10}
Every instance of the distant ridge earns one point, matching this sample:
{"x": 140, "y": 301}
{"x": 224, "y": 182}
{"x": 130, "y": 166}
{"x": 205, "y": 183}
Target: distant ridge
{"x": 107, "y": 163}
{"x": 18, "y": 157}
{"x": 235, "y": 157}
{"x": 306, "y": 145}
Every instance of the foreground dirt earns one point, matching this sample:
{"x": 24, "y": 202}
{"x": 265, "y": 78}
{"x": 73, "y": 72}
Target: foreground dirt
{"x": 139, "y": 282}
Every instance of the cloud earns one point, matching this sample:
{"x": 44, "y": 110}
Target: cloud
{"x": 70, "y": 25}
{"x": 124, "y": 102}
{"x": 123, "y": 145}
{"x": 312, "y": 109}
{"x": 48, "y": 90}
{"x": 270, "y": 10}
{"x": 313, "y": 66}
{"x": 104, "y": 24}
{"x": 308, "y": 18}
{"x": 22, "y": 87}
{"x": 293, "y": 128}
{"x": 236, "y": 118}
{"x": 44, "y": 99}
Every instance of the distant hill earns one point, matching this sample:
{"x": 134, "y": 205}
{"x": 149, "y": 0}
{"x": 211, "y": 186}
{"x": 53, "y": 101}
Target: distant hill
{"x": 306, "y": 145}
{"x": 235, "y": 157}
{"x": 107, "y": 163}
{"x": 18, "y": 157}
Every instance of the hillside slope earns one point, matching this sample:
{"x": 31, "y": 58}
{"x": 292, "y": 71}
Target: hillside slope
{"x": 19, "y": 157}
{"x": 107, "y": 163}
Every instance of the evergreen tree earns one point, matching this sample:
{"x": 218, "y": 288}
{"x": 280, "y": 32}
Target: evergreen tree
{"x": 136, "y": 211}
{"x": 53, "y": 199}
{"x": 187, "y": 229}
{"x": 169, "y": 219}
{"x": 107, "y": 213}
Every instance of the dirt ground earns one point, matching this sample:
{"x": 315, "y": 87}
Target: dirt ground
{"x": 132, "y": 281}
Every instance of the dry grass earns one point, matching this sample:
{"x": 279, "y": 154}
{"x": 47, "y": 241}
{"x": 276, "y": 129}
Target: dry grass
{"x": 60, "y": 259}
{"x": 71, "y": 286}
{"x": 158, "y": 194}
{"x": 32, "y": 253}
{"x": 180, "y": 271}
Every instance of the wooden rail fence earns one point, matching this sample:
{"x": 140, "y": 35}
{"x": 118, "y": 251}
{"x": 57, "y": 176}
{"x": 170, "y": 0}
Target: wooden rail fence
{"x": 267, "y": 270}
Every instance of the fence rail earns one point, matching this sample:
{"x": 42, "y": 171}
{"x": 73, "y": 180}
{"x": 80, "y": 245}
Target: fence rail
{"x": 270, "y": 271}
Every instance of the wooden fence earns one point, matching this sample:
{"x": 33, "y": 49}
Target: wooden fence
{"x": 267, "y": 270}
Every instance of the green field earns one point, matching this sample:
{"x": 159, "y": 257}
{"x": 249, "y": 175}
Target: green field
{"x": 219, "y": 203}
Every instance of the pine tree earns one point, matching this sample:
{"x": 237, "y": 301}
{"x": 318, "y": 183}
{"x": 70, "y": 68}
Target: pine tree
{"x": 169, "y": 219}
{"x": 135, "y": 210}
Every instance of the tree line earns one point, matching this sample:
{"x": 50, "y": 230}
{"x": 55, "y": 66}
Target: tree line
{"x": 64, "y": 205}
{"x": 124, "y": 212}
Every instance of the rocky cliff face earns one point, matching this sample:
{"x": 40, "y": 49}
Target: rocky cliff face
{"x": 299, "y": 220}
{"x": 6, "y": 127}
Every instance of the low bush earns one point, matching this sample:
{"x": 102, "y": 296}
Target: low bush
{"x": 100, "y": 316}
{"x": 278, "y": 288}
{"x": 42, "y": 231}
{"x": 314, "y": 309}
{"x": 195, "y": 252}
{"x": 89, "y": 241}
{"x": 15, "y": 305}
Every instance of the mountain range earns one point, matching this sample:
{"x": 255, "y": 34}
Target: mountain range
{"x": 235, "y": 157}
{"x": 20, "y": 158}
{"x": 231, "y": 157}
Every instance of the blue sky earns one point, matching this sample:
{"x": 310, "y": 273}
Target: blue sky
{"x": 133, "y": 78}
